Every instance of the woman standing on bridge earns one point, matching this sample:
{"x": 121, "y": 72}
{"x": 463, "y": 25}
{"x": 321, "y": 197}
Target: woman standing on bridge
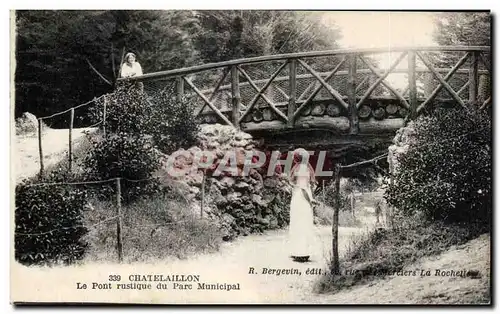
{"x": 301, "y": 230}
{"x": 130, "y": 67}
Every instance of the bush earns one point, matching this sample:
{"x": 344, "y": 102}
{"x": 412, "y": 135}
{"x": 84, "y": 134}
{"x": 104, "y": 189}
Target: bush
{"x": 132, "y": 157}
{"x": 170, "y": 124}
{"x": 48, "y": 221}
{"x": 446, "y": 172}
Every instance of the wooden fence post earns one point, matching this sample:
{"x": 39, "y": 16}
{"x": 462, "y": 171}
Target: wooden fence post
{"x": 119, "y": 243}
{"x": 202, "y": 194}
{"x": 335, "y": 270}
{"x": 292, "y": 90}
{"x": 353, "y": 205}
{"x": 70, "y": 139}
{"x": 180, "y": 88}
{"x": 40, "y": 150}
{"x": 235, "y": 95}
{"x": 104, "y": 115}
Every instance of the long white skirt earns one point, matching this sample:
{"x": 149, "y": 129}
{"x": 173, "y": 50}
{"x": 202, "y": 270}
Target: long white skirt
{"x": 301, "y": 229}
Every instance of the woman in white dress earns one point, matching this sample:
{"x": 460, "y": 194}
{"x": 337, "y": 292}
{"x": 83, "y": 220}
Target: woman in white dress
{"x": 130, "y": 67}
{"x": 301, "y": 229}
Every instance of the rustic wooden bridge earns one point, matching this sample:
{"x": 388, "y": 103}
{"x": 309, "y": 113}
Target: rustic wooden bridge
{"x": 342, "y": 92}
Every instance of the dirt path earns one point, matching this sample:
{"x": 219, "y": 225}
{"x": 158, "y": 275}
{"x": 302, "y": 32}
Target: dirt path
{"x": 25, "y": 153}
{"x": 230, "y": 265}
{"x": 234, "y": 261}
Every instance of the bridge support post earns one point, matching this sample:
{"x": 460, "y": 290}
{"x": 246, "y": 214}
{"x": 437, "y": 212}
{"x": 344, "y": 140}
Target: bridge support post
{"x": 473, "y": 79}
{"x": 412, "y": 80}
{"x": 351, "y": 95}
{"x": 235, "y": 95}
{"x": 292, "y": 90}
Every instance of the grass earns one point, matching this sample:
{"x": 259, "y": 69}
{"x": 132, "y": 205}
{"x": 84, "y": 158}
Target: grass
{"x": 324, "y": 217}
{"x": 383, "y": 252}
{"x": 152, "y": 229}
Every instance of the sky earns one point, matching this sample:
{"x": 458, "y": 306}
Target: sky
{"x": 384, "y": 30}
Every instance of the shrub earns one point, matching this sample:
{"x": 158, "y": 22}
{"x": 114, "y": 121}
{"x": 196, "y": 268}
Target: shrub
{"x": 446, "y": 172}
{"x": 132, "y": 157}
{"x": 48, "y": 221}
{"x": 170, "y": 124}
{"x": 126, "y": 111}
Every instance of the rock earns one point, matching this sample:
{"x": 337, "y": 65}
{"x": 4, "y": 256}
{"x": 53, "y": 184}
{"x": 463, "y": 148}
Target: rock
{"x": 402, "y": 140}
{"x": 27, "y": 123}
{"x": 194, "y": 179}
{"x": 240, "y": 143}
{"x": 227, "y": 182}
{"x": 30, "y": 118}
{"x": 242, "y": 186}
{"x": 248, "y": 207}
{"x": 194, "y": 190}
{"x": 270, "y": 182}
{"x": 234, "y": 203}
{"x": 257, "y": 199}
{"x": 234, "y": 197}
{"x": 212, "y": 145}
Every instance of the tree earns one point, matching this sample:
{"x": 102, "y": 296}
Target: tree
{"x": 463, "y": 28}
{"x": 230, "y": 34}
{"x": 65, "y": 58}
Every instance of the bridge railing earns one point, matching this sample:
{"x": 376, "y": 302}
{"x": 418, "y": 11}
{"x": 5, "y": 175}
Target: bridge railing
{"x": 349, "y": 90}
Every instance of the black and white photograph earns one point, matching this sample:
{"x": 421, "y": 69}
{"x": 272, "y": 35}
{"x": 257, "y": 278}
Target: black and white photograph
{"x": 257, "y": 157}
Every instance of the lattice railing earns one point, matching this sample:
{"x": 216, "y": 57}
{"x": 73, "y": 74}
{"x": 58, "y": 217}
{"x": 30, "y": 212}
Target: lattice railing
{"x": 342, "y": 89}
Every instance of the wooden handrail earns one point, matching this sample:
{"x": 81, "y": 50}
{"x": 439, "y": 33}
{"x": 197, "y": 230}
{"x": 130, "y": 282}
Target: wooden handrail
{"x": 309, "y": 54}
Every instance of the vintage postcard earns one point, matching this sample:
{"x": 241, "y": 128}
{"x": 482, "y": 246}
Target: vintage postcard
{"x": 251, "y": 157}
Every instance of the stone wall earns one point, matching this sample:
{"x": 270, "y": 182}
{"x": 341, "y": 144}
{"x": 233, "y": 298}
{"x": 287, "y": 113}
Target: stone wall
{"x": 240, "y": 204}
{"x": 400, "y": 146}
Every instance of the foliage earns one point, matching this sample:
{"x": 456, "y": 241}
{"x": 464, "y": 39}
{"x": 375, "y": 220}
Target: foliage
{"x": 234, "y": 34}
{"x": 132, "y": 157}
{"x": 463, "y": 28}
{"x": 65, "y": 58}
{"x": 446, "y": 172}
{"x": 48, "y": 221}
{"x": 170, "y": 124}
{"x": 138, "y": 129}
